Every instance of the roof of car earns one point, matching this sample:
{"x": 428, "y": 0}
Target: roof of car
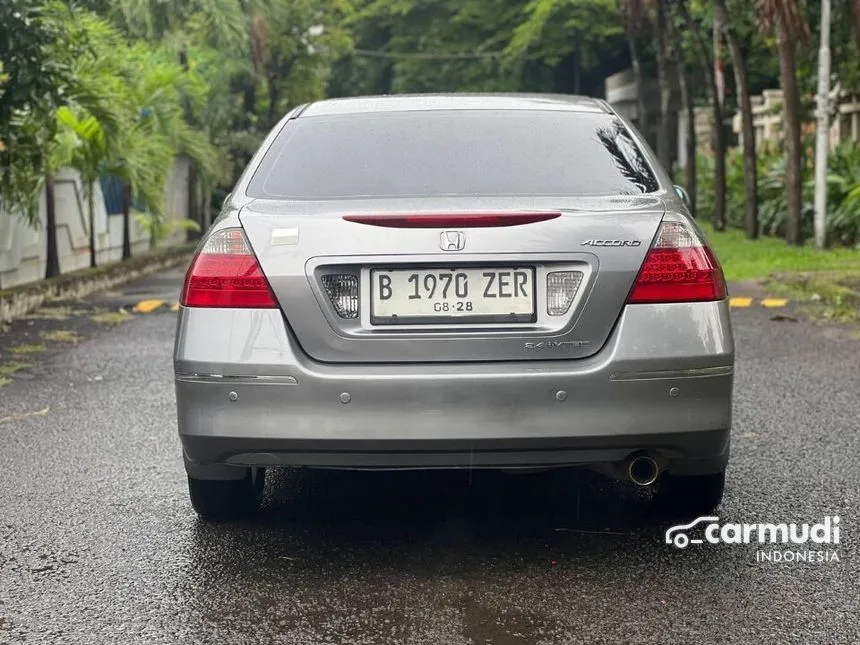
{"x": 426, "y": 102}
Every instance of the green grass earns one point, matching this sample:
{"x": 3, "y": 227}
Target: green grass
{"x": 9, "y": 368}
{"x": 824, "y": 295}
{"x": 61, "y": 336}
{"x": 111, "y": 317}
{"x": 50, "y": 313}
{"x": 744, "y": 259}
{"x": 31, "y": 348}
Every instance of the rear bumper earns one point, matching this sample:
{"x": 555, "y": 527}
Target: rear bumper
{"x": 690, "y": 453}
{"x": 247, "y": 395}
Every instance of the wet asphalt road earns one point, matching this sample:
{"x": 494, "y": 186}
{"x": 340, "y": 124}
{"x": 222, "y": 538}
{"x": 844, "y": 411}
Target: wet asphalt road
{"x": 98, "y": 543}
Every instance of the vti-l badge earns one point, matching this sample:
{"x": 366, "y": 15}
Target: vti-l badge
{"x": 452, "y": 240}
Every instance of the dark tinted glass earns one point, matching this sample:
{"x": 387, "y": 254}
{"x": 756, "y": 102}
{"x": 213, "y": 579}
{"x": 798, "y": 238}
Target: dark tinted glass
{"x": 403, "y": 154}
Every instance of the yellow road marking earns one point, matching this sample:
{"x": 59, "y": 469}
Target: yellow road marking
{"x": 148, "y": 306}
{"x": 174, "y": 306}
{"x": 773, "y": 302}
{"x": 740, "y": 302}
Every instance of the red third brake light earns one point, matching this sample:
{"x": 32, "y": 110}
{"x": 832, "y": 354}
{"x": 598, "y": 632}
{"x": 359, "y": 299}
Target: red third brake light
{"x": 679, "y": 267}
{"x": 226, "y": 274}
{"x": 461, "y": 220}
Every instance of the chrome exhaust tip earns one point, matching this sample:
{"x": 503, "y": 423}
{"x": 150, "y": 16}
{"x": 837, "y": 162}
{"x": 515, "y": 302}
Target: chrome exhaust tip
{"x": 642, "y": 470}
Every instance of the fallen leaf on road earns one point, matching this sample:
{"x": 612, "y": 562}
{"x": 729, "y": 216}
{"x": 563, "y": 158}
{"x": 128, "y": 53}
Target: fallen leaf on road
{"x": 24, "y": 415}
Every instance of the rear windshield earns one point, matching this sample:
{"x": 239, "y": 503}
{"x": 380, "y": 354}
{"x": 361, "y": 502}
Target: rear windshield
{"x": 438, "y": 153}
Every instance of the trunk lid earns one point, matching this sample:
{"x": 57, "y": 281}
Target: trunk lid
{"x": 597, "y": 243}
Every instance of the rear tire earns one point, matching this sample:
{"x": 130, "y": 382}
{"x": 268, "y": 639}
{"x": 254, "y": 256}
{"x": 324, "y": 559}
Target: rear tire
{"x": 686, "y": 496}
{"x": 223, "y": 500}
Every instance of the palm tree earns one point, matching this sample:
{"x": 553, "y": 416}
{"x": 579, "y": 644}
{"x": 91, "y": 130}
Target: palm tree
{"x": 166, "y": 97}
{"x": 223, "y": 23}
{"x": 88, "y": 157}
{"x": 230, "y": 26}
{"x": 742, "y": 88}
{"x": 718, "y": 138}
{"x": 785, "y": 17}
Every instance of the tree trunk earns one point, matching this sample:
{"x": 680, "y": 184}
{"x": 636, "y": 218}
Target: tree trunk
{"x": 791, "y": 119}
{"x": 685, "y": 86}
{"x": 664, "y": 135}
{"x": 718, "y": 139}
{"x": 742, "y": 88}
{"x": 577, "y": 74}
{"x": 52, "y": 256}
{"x": 854, "y": 8}
{"x": 206, "y": 206}
{"x": 192, "y": 169}
{"x": 249, "y": 101}
{"x": 642, "y": 117}
{"x": 193, "y": 207}
{"x": 274, "y": 97}
{"x": 91, "y": 186}
{"x": 692, "y": 146}
{"x": 126, "y": 221}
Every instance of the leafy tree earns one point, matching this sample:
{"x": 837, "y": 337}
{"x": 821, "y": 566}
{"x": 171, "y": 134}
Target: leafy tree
{"x": 556, "y": 29}
{"x": 446, "y": 45}
{"x": 37, "y": 76}
{"x": 89, "y": 155}
{"x": 223, "y": 23}
{"x": 296, "y": 42}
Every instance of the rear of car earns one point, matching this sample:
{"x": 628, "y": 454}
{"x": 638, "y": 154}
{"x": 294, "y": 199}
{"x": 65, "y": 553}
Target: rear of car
{"x": 454, "y": 282}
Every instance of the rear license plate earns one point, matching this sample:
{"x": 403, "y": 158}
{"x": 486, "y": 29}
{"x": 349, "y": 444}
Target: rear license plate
{"x": 440, "y": 295}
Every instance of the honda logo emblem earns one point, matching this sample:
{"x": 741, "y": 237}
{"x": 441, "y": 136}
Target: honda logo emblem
{"x": 452, "y": 240}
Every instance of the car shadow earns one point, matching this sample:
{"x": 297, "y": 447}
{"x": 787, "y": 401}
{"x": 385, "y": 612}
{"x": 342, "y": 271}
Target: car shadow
{"x": 311, "y": 515}
{"x": 345, "y": 542}
{"x": 491, "y": 501}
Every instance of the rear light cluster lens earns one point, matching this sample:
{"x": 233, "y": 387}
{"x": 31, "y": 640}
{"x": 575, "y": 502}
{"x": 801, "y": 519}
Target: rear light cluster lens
{"x": 561, "y": 289}
{"x": 342, "y": 290}
{"x": 679, "y": 267}
{"x": 226, "y": 274}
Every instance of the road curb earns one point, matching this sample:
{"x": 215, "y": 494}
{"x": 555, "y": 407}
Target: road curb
{"x": 19, "y": 301}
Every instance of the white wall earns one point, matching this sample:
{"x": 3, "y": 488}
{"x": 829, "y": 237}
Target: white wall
{"x": 23, "y": 248}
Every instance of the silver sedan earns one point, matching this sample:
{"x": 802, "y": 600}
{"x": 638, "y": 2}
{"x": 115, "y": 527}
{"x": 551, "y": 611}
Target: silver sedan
{"x": 454, "y": 281}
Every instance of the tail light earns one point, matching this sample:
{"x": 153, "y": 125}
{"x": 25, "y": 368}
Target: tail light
{"x": 225, "y": 273}
{"x": 679, "y": 267}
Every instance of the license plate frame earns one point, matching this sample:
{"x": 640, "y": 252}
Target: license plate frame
{"x": 454, "y": 318}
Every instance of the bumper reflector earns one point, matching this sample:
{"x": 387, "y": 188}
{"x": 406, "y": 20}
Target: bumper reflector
{"x": 561, "y": 289}
{"x": 342, "y": 290}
